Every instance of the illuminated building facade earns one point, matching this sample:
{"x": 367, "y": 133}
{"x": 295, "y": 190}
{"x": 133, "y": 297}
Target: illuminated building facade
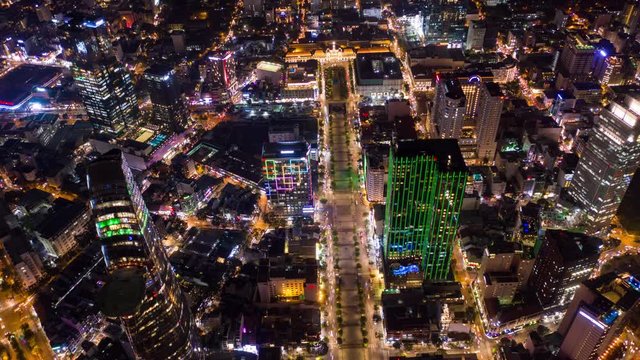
{"x": 287, "y": 279}
{"x": 301, "y": 81}
{"x": 609, "y": 71}
{"x": 577, "y": 56}
{"x": 449, "y": 108}
{"x": 86, "y": 39}
{"x": 608, "y": 162}
{"x": 445, "y": 22}
{"x": 490, "y": 104}
{"x": 564, "y": 260}
{"x": 600, "y": 314}
{"x": 287, "y": 178}
{"x": 470, "y": 82}
{"x": 221, "y": 70}
{"x": 412, "y": 24}
{"x": 425, "y": 188}
{"x": 375, "y": 167}
{"x": 107, "y": 93}
{"x": 142, "y": 291}
{"x": 169, "y": 107}
{"x": 105, "y": 85}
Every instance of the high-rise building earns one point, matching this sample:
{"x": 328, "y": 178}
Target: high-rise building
{"x": 608, "y": 162}
{"x": 600, "y": 317}
{"x": 218, "y": 72}
{"x": 107, "y": 93}
{"x": 470, "y": 83}
{"x": 490, "y": 104}
{"x": 475, "y": 35}
{"x": 576, "y": 58}
{"x": 608, "y": 71}
{"x": 287, "y": 178}
{"x": 449, "y": 108}
{"x": 375, "y": 167}
{"x": 563, "y": 261}
{"x": 86, "y": 39}
{"x": 221, "y": 70}
{"x": 169, "y": 107}
{"x": 142, "y": 291}
{"x": 425, "y": 188}
{"x": 105, "y": 85}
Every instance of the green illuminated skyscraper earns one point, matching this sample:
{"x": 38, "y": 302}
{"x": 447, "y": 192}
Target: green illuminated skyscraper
{"x": 424, "y": 195}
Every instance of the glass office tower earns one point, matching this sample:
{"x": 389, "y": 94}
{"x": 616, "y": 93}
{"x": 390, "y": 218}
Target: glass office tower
{"x": 104, "y": 84}
{"x": 608, "y": 162}
{"x": 169, "y": 106}
{"x": 142, "y": 291}
{"x": 424, "y": 194}
{"x": 107, "y": 93}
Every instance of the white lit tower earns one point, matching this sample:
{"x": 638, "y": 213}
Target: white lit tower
{"x": 490, "y": 104}
{"x": 608, "y": 162}
{"x": 449, "y": 108}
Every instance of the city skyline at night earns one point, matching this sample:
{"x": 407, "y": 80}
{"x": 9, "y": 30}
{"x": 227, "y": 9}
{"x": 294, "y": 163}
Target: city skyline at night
{"x": 324, "y": 179}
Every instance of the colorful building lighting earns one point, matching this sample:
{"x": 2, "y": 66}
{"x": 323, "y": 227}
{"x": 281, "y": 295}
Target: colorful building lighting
{"x": 425, "y": 189}
{"x": 142, "y": 291}
{"x": 287, "y": 179}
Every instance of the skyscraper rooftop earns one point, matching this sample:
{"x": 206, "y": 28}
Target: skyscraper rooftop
{"x": 141, "y": 290}
{"x": 574, "y": 246}
{"x": 123, "y": 294}
{"x": 285, "y": 149}
{"x": 445, "y": 151}
{"x": 454, "y": 90}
